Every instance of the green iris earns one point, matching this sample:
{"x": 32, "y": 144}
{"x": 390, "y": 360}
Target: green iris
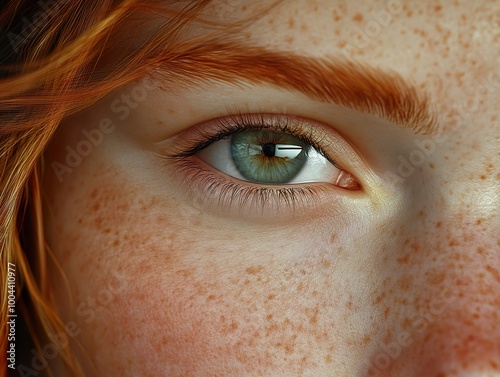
{"x": 268, "y": 157}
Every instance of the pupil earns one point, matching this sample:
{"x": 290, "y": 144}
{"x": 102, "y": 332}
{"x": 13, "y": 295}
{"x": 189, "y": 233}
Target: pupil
{"x": 269, "y": 149}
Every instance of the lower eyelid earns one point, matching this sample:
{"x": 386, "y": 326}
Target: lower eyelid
{"x": 212, "y": 189}
{"x": 208, "y": 190}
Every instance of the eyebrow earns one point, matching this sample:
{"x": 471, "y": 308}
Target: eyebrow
{"x": 346, "y": 83}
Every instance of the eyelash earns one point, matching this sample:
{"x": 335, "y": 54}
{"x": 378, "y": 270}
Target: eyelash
{"x": 239, "y": 122}
{"x": 208, "y": 183}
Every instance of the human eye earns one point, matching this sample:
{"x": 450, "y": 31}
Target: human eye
{"x": 267, "y": 160}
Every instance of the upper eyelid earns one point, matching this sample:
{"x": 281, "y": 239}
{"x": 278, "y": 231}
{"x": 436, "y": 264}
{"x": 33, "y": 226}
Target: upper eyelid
{"x": 236, "y": 122}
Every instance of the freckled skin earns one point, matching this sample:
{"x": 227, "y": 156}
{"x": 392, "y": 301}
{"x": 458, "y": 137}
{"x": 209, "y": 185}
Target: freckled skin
{"x": 410, "y": 287}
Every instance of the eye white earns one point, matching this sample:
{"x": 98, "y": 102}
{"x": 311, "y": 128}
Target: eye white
{"x": 316, "y": 169}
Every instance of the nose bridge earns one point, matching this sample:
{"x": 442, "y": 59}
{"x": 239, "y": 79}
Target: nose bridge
{"x": 448, "y": 275}
{"x": 471, "y": 195}
{"x": 468, "y": 220}
{"x": 459, "y": 186}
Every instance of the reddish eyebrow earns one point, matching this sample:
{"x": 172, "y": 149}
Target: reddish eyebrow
{"x": 353, "y": 85}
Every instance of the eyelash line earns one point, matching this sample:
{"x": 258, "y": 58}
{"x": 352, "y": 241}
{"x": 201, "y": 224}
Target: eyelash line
{"x": 238, "y": 122}
{"x": 228, "y": 192}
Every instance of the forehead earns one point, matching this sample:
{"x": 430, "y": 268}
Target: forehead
{"x": 363, "y": 27}
{"x": 446, "y": 48}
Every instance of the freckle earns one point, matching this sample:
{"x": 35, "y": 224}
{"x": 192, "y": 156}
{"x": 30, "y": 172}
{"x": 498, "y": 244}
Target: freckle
{"x": 328, "y": 359}
{"x": 358, "y": 17}
{"x": 326, "y": 263}
{"x": 479, "y": 221}
{"x": 407, "y": 323}
{"x": 404, "y": 283}
{"x": 211, "y": 297}
{"x": 98, "y": 222}
{"x": 300, "y": 287}
{"x": 341, "y": 44}
{"x": 116, "y": 242}
{"x": 93, "y": 194}
{"x": 431, "y": 165}
{"x": 453, "y": 242}
{"x": 184, "y": 273}
{"x": 313, "y": 318}
{"x": 271, "y": 296}
{"x": 379, "y": 298}
{"x": 336, "y": 16}
{"x": 291, "y": 23}
{"x": 439, "y": 224}
{"x": 404, "y": 259}
{"x": 438, "y": 8}
{"x": 482, "y": 176}
{"x": 494, "y": 272}
{"x": 254, "y": 270}
{"x": 303, "y": 361}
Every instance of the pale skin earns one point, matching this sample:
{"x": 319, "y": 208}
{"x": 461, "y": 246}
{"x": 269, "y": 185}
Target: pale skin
{"x": 401, "y": 278}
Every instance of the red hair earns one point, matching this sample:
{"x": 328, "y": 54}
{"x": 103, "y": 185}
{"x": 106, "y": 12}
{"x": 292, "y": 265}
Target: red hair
{"x": 48, "y": 71}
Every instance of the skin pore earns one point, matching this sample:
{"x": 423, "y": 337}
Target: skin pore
{"x": 400, "y": 278}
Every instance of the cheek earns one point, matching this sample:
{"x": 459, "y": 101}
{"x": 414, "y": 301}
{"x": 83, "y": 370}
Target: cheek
{"x": 160, "y": 287}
